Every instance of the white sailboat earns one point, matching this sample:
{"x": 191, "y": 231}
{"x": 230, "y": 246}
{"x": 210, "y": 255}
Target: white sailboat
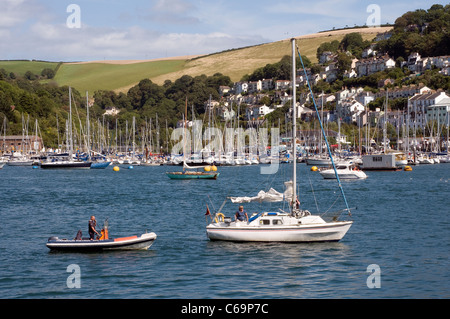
{"x": 297, "y": 225}
{"x": 188, "y": 173}
{"x": 69, "y": 162}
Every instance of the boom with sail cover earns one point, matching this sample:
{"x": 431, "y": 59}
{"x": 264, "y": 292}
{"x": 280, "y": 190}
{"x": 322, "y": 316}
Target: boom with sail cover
{"x": 271, "y": 196}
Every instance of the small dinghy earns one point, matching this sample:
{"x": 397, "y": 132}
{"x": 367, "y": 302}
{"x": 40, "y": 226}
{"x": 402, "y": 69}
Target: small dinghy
{"x": 103, "y": 243}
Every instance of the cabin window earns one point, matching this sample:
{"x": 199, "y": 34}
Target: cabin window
{"x": 265, "y": 222}
{"x": 277, "y": 222}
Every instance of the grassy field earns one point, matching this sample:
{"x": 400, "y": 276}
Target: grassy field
{"x": 20, "y": 67}
{"x": 105, "y": 76}
{"x": 120, "y": 76}
{"x": 237, "y": 63}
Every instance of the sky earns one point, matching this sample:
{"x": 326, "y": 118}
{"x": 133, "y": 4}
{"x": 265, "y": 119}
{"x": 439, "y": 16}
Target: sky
{"x": 90, "y": 30}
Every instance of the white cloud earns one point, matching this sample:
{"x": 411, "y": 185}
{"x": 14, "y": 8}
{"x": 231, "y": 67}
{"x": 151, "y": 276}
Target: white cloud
{"x": 60, "y": 43}
{"x": 169, "y": 12}
{"x": 36, "y": 29}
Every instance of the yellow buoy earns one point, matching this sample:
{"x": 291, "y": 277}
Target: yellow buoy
{"x": 116, "y": 168}
{"x": 214, "y": 168}
{"x": 207, "y": 168}
{"x": 314, "y": 168}
{"x": 408, "y": 168}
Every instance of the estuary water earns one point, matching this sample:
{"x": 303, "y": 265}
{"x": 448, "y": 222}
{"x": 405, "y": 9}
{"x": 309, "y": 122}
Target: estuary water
{"x": 401, "y": 225}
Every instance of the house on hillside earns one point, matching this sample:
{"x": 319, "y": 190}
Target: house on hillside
{"x": 20, "y": 143}
{"x": 372, "y": 65}
{"x": 327, "y": 56}
{"x": 267, "y": 84}
{"x": 254, "y": 112}
{"x": 225, "y": 112}
{"x": 240, "y": 87}
{"x": 419, "y": 104}
{"x": 282, "y": 84}
{"x": 223, "y": 89}
{"x": 349, "y": 110}
{"x": 403, "y": 92}
{"x": 439, "y": 112}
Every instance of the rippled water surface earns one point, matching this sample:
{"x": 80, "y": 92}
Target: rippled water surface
{"x": 401, "y": 224}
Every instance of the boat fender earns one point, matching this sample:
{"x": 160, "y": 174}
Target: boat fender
{"x": 220, "y": 216}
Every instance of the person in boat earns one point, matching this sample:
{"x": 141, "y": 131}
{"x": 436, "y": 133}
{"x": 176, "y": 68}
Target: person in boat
{"x": 92, "y": 226}
{"x": 241, "y": 215}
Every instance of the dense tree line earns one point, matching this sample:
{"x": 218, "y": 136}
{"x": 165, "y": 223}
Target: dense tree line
{"x": 424, "y": 31}
{"x": 281, "y": 70}
{"x": 26, "y": 98}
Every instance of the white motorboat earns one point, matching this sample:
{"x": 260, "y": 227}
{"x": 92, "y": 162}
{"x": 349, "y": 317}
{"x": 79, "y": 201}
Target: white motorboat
{"x": 344, "y": 171}
{"x": 295, "y": 225}
{"x": 102, "y": 243}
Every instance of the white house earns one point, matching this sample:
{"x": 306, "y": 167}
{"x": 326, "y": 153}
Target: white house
{"x": 267, "y": 84}
{"x": 439, "y": 112}
{"x": 225, "y": 112}
{"x": 254, "y": 112}
{"x": 254, "y": 86}
{"x": 419, "y": 103}
{"x": 282, "y": 84}
{"x": 403, "y": 92}
{"x": 112, "y": 111}
{"x": 240, "y": 87}
{"x": 349, "y": 110}
{"x": 369, "y": 66}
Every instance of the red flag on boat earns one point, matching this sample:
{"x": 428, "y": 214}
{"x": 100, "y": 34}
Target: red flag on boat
{"x": 207, "y": 211}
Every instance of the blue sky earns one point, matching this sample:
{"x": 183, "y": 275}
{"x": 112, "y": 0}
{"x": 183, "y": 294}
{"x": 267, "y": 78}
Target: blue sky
{"x": 149, "y": 29}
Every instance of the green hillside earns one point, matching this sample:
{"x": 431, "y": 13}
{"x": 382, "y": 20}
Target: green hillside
{"x": 120, "y": 76}
{"x": 105, "y": 76}
{"x": 20, "y": 67}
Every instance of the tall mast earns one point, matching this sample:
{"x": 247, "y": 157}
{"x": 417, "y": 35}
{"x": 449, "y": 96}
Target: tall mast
{"x": 70, "y": 125}
{"x": 88, "y": 126}
{"x": 294, "y": 127}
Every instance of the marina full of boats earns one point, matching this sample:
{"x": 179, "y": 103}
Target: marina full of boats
{"x": 227, "y": 150}
{"x": 375, "y": 161}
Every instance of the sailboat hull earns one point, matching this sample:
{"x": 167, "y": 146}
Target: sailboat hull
{"x": 66, "y": 165}
{"x": 100, "y": 165}
{"x": 329, "y": 232}
{"x": 192, "y": 175}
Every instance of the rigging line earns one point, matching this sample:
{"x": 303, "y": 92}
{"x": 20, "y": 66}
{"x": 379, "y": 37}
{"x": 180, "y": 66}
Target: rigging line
{"x": 331, "y": 206}
{"x": 211, "y": 202}
{"x": 323, "y": 132}
{"x": 314, "y": 194}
